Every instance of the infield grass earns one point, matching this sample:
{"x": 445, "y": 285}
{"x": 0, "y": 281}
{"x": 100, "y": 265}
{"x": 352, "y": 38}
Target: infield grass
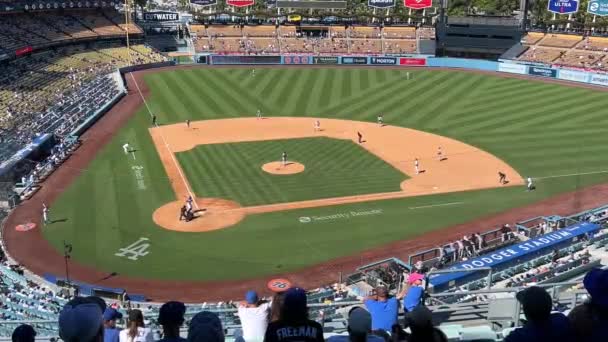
{"x": 543, "y": 130}
{"x": 333, "y": 168}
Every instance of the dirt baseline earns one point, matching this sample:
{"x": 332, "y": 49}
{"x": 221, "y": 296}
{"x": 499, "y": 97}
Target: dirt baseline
{"x": 443, "y": 164}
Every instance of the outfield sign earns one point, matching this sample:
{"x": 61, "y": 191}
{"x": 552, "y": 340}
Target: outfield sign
{"x": 599, "y": 79}
{"x": 240, "y": 3}
{"x": 517, "y": 251}
{"x": 354, "y": 60}
{"x": 513, "y": 68}
{"x": 383, "y": 60}
{"x": 325, "y": 60}
{"x": 563, "y": 6}
{"x": 295, "y": 60}
{"x": 571, "y": 75}
{"x": 161, "y": 16}
{"x": 412, "y": 61}
{"x": 204, "y": 2}
{"x": 544, "y": 72}
{"x": 418, "y": 4}
{"x": 598, "y": 7}
{"x": 381, "y": 3}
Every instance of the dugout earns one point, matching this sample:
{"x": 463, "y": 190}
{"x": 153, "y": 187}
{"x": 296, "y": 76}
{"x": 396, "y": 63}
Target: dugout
{"x": 477, "y": 37}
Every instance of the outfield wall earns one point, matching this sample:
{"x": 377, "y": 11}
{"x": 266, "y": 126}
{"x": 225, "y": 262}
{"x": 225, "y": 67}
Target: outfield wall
{"x": 504, "y": 66}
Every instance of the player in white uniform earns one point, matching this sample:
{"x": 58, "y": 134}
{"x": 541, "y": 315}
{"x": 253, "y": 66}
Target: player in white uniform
{"x": 126, "y": 148}
{"x": 45, "y": 214}
{"x": 253, "y": 73}
{"x": 317, "y": 125}
{"x": 530, "y": 184}
{"x": 417, "y": 166}
{"x": 258, "y": 114}
{"x": 284, "y": 159}
{"x": 380, "y": 120}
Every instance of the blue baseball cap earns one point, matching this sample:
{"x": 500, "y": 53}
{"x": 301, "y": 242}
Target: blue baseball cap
{"x": 295, "y": 298}
{"x": 596, "y": 283}
{"x": 251, "y": 297}
{"x": 111, "y": 314}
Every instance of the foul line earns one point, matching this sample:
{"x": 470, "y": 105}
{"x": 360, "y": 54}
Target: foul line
{"x": 573, "y": 174}
{"x": 165, "y": 143}
{"x": 436, "y": 205}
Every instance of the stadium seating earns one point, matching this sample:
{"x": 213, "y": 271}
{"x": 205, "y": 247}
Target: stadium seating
{"x": 560, "y": 40}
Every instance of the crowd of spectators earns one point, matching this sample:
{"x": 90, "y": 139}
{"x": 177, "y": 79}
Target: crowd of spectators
{"x": 286, "y": 39}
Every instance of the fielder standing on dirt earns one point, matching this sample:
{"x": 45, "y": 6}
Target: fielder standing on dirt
{"x": 284, "y": 159}
{"x": 45, "y": 214}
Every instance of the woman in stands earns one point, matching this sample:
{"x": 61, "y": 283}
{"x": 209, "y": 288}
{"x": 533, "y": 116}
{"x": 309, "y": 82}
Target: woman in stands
{"x": 136, "y": 330}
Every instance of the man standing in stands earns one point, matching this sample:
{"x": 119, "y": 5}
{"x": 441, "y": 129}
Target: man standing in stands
{"x": 254, "y": 314}
{"x": 383, "y": 308}
{"x": 505, "y": 231}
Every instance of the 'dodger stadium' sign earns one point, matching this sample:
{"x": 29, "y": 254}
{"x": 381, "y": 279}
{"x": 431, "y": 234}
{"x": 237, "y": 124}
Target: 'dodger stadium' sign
{"x": 381, "y": 3}
{"x": 161, "y": 16}
{"x": 563, "y": 6}
{"x": 598, "y": 7}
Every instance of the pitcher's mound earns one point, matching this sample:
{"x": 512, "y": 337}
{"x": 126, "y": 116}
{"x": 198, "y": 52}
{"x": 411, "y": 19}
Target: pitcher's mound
{"x": 277, "y": 168}
{"x": 212, "y": 214}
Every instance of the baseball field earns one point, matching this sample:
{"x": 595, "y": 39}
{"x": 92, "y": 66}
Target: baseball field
{"x": 336, "y": 200}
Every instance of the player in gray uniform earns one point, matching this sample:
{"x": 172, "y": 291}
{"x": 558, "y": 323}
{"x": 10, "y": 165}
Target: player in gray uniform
{"x": 284, "y": 159}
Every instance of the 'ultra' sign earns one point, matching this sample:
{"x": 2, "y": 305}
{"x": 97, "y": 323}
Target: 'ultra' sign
{"x": 563, "y": 6}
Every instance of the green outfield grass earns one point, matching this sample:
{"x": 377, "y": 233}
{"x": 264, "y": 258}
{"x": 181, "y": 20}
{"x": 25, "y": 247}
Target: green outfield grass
{"x": 543, "y": 130}
{"x": 333, "y": 168}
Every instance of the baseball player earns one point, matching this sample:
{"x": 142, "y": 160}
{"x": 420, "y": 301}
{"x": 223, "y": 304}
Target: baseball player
{"x": 188, "y": 123}
{"x": 153, "y": 120}
{"x": 45, "y": 214}
{"x": 407, "y": 75}
{"x": 530, "y": 184}
{"x": 126, "y": 148}
{"x": 439, "y": 154}
{"x": 502, "y": 178}
{"x": 360, "y": 136}
{"x": 253, "y": 73}
{"x": 417, "y": 166}
{"x": 189, "y": 201}
{"x": 258, "y": 114}
{"x": 380, "y": 120}
{"x": 284, "y": 159}
{"x": 317, "y": 125}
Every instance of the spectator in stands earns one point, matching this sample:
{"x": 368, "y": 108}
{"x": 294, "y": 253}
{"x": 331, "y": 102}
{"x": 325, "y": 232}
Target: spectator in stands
{"x": 24, "y": 333}
{"x": 81, "y": 320}
{"x": 383, "y": 308}
{"x": 294, "y": 324}
{"x": 413, "y": 294}
{"x": 136, "y": 330}
{"x": 420, "y": 322}
{"x": 359, "y": 328}
{"x": 254, "y": 314}
{"x": 505, "y": 231}
{"x": 111, "y": 333}
{"x": 276, "y": 306}
{"x": 419, "y": 267}
{"x": 206, "y": 327}
{"x": 590, "y": 320}
{"x": 171, "y": 318}
{"x": 541, "y": 324}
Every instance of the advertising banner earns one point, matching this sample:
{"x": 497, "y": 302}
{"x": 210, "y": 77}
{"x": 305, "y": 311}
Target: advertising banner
{"x": 383, "y": 60}
{"x": 295, "y": 60}
{"x": 221, "y": 59}
{"x": 412, "y": 61}
{"x": 598, "y": 7}
{"x": 599, "y": 79}
{"x": 544, "y": 72}
{"x": 381, "y": 3}
{"x": 512, "y": 68}
{"x": 517, "y": 251}
{"x": 204, "y": 2}
{"x": 571, "y": 75}
{"x": 354, "y": 60}
{"x": 240, "y": 3}
{"x": 325, "y": 60}
{"x": 563, "y": 6}
{"x": 418, "y": 4}
{"x": 161, "y": 16}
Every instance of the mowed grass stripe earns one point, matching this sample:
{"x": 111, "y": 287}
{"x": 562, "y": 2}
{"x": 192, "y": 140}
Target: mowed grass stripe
{"x": 316, "y": 91}
{"x": 206, "y": 96}
{"x": 222, "y": 97}
{"x": 239, "y": 98}
{"x": 292, "y": 92}
{"x": 303, "y": 95}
